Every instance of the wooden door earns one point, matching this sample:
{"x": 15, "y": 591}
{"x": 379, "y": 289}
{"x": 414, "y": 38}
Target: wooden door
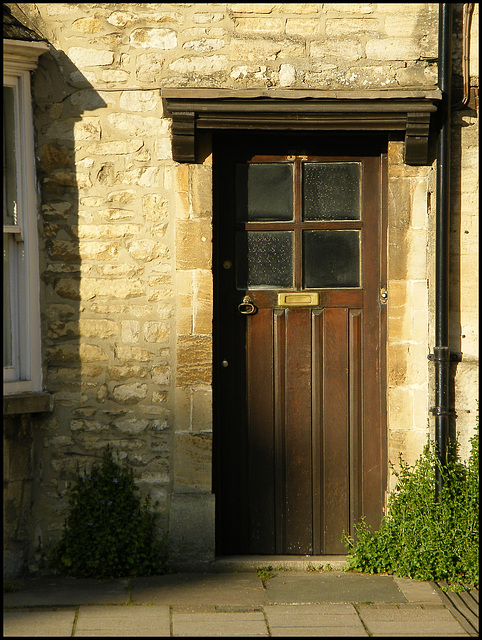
{"x": 299, "y": 330}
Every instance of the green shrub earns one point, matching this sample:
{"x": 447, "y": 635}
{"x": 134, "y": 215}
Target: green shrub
{"x": 423, "y": 536}
{"x": 109, "y": 531}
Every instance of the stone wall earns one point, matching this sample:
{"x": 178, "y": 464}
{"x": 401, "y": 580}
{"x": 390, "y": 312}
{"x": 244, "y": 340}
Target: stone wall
{"x": 125, "y": 232}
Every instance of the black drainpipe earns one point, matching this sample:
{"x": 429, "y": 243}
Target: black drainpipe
{"x": 441, "y": 354}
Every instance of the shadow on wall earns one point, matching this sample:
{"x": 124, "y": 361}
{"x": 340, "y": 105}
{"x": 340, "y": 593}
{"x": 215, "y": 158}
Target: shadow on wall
{"x": 63, "y": 100}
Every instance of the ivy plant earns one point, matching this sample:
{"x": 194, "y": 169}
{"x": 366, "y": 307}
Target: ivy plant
{"x": 109, "y": 531}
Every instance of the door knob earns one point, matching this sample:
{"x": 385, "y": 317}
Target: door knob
{"x": 246, "y": 307}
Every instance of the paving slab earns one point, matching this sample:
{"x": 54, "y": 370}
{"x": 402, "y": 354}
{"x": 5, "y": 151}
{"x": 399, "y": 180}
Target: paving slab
{"x": 131, "y": 620}
{"x": 68, "y": 591}
{"x": 202, "y": 624}
{"x": 409, "y": 620}
{"x": 200, "y": 588}
{"x": 332, "y": 586}
{"x": 314, "y": 619}
{"x": 44, "y": 623}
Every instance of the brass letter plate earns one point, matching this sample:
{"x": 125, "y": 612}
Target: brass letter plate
{"x": 299, "y": 299}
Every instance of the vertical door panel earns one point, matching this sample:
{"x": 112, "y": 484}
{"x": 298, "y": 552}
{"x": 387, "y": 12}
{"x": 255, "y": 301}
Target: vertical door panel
{"x": 261, "y": 456}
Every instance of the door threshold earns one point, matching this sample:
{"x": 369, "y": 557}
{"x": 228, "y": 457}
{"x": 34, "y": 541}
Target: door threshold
{"x": 235, "y": 564}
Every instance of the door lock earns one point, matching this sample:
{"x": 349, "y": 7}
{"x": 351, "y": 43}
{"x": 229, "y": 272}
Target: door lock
{"x": 383, "y": 295}
{"x": 246, "y": 307}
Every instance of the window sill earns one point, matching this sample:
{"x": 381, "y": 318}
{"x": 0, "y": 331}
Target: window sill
{"x": 28, "y": 402}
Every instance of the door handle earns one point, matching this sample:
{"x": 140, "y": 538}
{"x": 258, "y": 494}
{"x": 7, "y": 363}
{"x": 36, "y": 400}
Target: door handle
{"x": 246, "y": 307}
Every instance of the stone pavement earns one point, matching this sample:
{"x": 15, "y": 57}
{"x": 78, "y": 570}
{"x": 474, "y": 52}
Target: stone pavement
{"x": 231, "y": 603}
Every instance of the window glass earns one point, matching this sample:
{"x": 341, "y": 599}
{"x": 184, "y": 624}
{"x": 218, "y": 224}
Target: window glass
{"x": 264, "y": 259}
{"x": 264, "y": 192}
{"x": 331, "y": 191}
{"x": 331, "y": 258}
{"x": 9, "y": 155}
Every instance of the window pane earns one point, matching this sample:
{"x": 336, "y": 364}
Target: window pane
{"x": 264, "y": 259}
{"x": 264, "y": 192}
{"x": 331, "y": 258}
{"x": 9, "y": 167}
{"x": 331, "y": 191}
{"x": 7, "y": 311}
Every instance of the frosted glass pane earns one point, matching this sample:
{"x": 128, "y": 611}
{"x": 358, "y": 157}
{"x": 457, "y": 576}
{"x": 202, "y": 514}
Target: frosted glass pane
{"x": 264, "y": 192}
{"x": 264, "y": 259}
{"x": 331, "y": 191}
{"x": 331, "y": 258}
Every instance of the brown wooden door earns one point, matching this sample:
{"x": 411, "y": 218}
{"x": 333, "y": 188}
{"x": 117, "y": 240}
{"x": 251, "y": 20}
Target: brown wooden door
{"x": 299, "y": 425}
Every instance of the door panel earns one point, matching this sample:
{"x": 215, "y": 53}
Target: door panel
{"x": 299, "y": 428}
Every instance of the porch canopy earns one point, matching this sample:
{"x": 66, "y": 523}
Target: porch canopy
{"x": 407, "y": 112}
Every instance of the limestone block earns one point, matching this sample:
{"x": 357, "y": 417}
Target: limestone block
{"x": 199, "y": 66}
{"x": 303, "y": 26}
{"x": 127, "y": 354}
{"x": 400, "y": 408}
{"x": 204, "y": 45}
{"x": 193, "y": 244}
{"x": 207, "y": 18}
{"x": 339, "y": 48}
{"x": 83, "y": 57}
{"x": 201, "y": 190}
{"x": 259, "y": 25}
{"x": 253, "y": 7}
{"x": 105, "y": 231}
{"x": 130, "y": 424}
{"x": 120, "y": 372}
{"x": 139, "y": 100}
{"x": 149, "y": 66}
{"x": 85, "y": 327}
{"x": 350, "y": 7}
{"x": 129, "y": 393}
{"x": 397, "y": 357}
{"x": 287, "y": 75}
{"x": 244, "y": 49}
{"x": 135, "y": 125}
{"x": 88, "y": 288}
{"x": 156, "y": 332}
{"x": 202, "y": 302}
{"x": 183, "y": 409}
{"x": 88, "y": 425}
{"x": 399, "y": 48}
{"x": 87, "y": 25}
{"x": 347, "y": 27}
{"x": 163, "y": 149}
{"x": 194, "y": 361}
{"x": 122, "y": 18}
{"x": 130, "y": 330}
{"x": 192, "y": 467}
{"x": 161, "y": 374}
{"x": 146, "y": 250}
{"x": 76, "y": 353}
{"x": 202, "y": 410}
{"x": 163, "y": 39}
{"x": 191, "y": 527}
{"x": 116, "y": 147}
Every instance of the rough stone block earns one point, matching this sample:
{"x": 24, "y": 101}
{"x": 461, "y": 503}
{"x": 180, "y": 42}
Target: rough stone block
{"x": 191, "y": 527}
{"x": 193, "y": 462}
{"x": 194, "y": 361}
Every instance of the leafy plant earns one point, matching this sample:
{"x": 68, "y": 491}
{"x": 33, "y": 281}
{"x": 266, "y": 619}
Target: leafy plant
{"x": 109, "y": 531}
{"x": 424, "y": 536}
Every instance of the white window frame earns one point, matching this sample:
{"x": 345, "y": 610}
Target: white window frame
{"x": 25, "y": 375}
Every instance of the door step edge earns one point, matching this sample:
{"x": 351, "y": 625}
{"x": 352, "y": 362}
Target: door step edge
{"x": 249, "y": 563}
